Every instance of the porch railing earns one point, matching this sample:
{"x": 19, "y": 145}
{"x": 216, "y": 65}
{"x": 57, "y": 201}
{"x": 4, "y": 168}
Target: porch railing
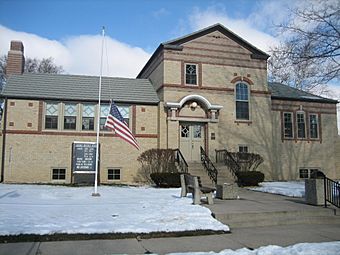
{"x": 209, "y": 166}
{"x": 180, "y": 160}
{"x": 224, "y": 156}
{"x": 332, "y": 192}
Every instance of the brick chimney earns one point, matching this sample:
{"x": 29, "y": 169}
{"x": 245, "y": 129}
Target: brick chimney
{"x": 16, "y": 59}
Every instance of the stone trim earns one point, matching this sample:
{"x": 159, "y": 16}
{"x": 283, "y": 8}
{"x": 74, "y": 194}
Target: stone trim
{"x": 217, "y": 64}
{"x": 242, "y": 78}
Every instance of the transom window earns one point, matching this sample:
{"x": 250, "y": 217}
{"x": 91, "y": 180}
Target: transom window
{"x": 191, "y": 74}
{"x": 58, "y": 174}
{"x": 242, "y": 101}
{"x": 70, "y": 116}
{"x": 301, "y": 125}
{"x": 288, "y": 124}
{"x": 88, "y": 117}
{"x": 51, "y": 117}
{"x": 113, "y": 174}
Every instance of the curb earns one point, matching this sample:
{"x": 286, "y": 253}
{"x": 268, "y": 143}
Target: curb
{"x": 77, "y": 237}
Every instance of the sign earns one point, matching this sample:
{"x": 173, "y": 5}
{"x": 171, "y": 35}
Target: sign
{"x": 84, "y": 157}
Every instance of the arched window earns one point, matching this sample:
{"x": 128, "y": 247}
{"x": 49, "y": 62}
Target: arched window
{"x": 242, "y": 101}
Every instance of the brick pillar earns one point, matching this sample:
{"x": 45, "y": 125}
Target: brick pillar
{"x": 16, "y": 59}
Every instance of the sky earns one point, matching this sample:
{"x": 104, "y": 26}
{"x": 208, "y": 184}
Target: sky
{"x": 69, "y": 31}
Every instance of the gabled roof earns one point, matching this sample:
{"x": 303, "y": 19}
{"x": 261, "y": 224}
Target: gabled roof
{"x": 284, "y": 92}
{"x": 175, "y": 43}
{"x": 79, "y": 87}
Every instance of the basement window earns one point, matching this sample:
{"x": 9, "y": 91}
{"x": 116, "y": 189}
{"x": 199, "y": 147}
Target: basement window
{"x": 113, "y": 174}
{"x": 58, "y": 174}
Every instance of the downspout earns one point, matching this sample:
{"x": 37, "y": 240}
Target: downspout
{"x": 3, "y": 141}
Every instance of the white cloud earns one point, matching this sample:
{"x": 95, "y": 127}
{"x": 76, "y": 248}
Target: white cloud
{"x": 242, "y": 27}
{"x": 80, "y": 54}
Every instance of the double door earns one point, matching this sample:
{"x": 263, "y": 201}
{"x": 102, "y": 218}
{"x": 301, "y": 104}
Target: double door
{"x": 191, "y": 139}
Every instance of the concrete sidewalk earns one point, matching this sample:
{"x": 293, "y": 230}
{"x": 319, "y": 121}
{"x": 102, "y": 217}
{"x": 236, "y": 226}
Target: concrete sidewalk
{"x": 278, "y": 220}
{"x": 239, "y": 238}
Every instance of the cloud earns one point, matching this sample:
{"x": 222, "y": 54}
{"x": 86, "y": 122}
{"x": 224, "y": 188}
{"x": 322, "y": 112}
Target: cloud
{"x": 243, "y": 27}
{"x": 80, "y": 54}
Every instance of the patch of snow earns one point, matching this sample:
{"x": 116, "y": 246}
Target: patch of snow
{"x": 44, "y": 209}
{"x": 290, "y": 189}
{"x": 326, "y": 248}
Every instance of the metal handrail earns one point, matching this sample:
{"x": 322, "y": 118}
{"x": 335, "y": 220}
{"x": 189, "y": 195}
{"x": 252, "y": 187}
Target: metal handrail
{"x": 226, "y": 157}
{"x": 179, "y": 158}
{"x": 209, "y": 166}
{"x": 332, "y": 192}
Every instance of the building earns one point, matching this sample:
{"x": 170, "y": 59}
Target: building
{"x": 208, "y": 89}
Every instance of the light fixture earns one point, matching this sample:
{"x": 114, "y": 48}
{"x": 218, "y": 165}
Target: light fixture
{"x": 193, "y": 105}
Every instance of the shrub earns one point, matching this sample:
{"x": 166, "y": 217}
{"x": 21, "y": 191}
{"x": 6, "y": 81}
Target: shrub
{"x": 249, "y": 178}
{"x": 156, "y": 161}
{"x": 166, "y": 180}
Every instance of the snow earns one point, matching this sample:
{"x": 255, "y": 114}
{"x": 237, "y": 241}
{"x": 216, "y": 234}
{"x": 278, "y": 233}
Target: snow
{"x": 43, "y": 209}
{"x": 326, "y": 248}
{"x": 291, "y": 189}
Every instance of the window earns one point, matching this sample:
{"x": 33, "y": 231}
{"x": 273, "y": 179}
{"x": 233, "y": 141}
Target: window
{"x": 88, "y": 117}
{"x": 243, "y": 148}
{"x": 104, "y": 112}
{"x": 301, "y": 125}
{"x": 70, "y": 116}
{"x": 51, "y": 116}
{"x": 113, "y": 174}
{"x": 58, "y": 174}
{"x": 303, "y": 173}
{"x": 191, "y": 74}
{"x": 125, "y": 112}
{"x": 313, "y": 126}
{"x": 288, "y": 125}
{"x": 242, "y": 101}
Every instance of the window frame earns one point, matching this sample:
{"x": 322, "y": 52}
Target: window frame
{"x": 58, "y": 174}
{"x": 46, "y": 103}
{"x": 297, "y": 125}
{"x": 114, "y": 174}
{"x": 247, "y": 101}
{"x": 306, "y": 173}
{"x": 185, "y": 74}
{"x": 242, "y": 147}
{"x": 75, "y": 117}
{"x": 317, "y": 126}
{"x": 284, "y": 126}
{"x": 88, "y": 118}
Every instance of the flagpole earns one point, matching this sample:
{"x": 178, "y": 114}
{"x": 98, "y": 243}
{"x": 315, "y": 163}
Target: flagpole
{"x": 98, "y": 117}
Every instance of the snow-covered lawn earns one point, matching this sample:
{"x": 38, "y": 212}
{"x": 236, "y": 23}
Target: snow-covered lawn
{"x": 291, "y": 189}
{"x": 43, "y": 209}
{"x": 328, "y": 248}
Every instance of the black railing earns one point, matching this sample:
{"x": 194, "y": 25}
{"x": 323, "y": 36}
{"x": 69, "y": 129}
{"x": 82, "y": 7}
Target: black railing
{"x": 332, "y": 192}
{"x": 224, "y": 156}
{"x": 180, "y": 160}
{"x": 209, "y": 166}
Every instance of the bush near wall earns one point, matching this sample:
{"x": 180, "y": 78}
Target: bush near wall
{"x": 249, "y": 178}
{"x": 159, "y": 167}
{"x": 166, "y": 180}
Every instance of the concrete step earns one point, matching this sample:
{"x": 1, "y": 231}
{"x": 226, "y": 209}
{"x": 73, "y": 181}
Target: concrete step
{"x": 262, "y": 219}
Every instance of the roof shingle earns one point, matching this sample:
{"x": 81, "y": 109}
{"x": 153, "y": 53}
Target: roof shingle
{"x": 79, "y": 87}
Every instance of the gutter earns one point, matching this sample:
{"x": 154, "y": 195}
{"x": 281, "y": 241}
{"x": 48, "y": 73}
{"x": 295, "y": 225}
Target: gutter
{"x": 4, "y": 141}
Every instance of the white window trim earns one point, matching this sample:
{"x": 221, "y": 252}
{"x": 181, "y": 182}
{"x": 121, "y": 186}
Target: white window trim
{"x": 297, "y": 125}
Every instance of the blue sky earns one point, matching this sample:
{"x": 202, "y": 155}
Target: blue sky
{"x": 143, "y": 23}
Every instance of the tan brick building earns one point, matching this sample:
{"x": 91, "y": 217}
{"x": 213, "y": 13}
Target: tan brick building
{"x": 208, "y": 89}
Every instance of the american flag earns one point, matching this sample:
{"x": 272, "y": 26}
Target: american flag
{"x": 115, "y": 121}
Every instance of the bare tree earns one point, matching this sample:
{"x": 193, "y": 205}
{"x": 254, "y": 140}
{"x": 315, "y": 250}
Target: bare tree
{"x": 32, "y": 65}
{"x": 309, "y": 56}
